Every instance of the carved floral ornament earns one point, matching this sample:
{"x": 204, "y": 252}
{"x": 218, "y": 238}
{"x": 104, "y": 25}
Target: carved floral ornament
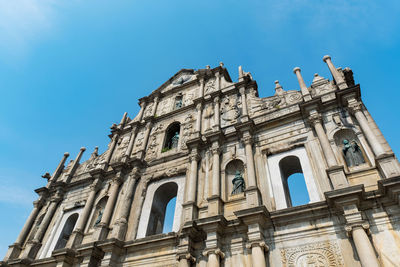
{"x": 319, "y": 254}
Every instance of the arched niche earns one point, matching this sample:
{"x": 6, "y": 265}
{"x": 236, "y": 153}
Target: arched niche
{"x": 231, "y": 168}
{"x": 172, "y": 137}
{"x": 66, "y": 231}
{"x": 158, "y": 194}
{"x": 98, "y": 211}
{"x": 354, "y": 144}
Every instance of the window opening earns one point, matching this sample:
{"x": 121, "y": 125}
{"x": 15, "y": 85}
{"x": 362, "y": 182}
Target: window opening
{"x": 163, "y": 195}
{"x": 66, "y": 231}
{"x": 294, "y": 184}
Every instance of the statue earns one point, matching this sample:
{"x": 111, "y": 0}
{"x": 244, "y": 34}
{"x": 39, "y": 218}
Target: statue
{"x": 178, "y": 103}
{"x": 174, "y": 140}
{"x": 238, "y": 184}
{"x": 352, "y": 153}
{"x": 98, "y": 220}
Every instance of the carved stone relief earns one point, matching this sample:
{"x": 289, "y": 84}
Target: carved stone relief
{"x": 320, "y": 86}
{"x": 139, "y": 139}
{"x": 210, "y": 86}
{"x": 229, "y": 110}
{"x": 149, "y": 110}
{"x": 316, "y": 254}
{"x": 187, "y": 130}
{"x": 208, "y": 116}
{"x": 122, "y": 144}
{"x": 164, "y": 106}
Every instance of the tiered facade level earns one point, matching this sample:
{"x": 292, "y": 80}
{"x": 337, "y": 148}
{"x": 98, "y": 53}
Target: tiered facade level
{"x": 226, "y": 155}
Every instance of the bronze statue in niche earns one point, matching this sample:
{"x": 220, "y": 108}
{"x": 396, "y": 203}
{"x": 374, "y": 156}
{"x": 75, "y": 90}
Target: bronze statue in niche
{"x": 238, "y": 183}
{"x": 352, "y": 153}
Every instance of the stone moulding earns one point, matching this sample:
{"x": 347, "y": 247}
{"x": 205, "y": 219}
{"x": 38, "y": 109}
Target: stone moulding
{"x": 321, "y": 254}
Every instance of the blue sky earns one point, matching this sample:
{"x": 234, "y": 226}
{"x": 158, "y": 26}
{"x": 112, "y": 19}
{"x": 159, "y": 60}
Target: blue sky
{"x": 69, "y": 69}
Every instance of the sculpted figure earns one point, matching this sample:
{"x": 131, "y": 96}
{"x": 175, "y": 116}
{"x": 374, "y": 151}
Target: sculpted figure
{"x": 175, "y": 140}
{"x": 98, "y": 220}
{"x": 238, "y": 184}
{"x": 208, "y": 117}
{"x": 352, "y": 153}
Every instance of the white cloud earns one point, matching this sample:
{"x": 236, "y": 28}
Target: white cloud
{"x": 23, "y": 23}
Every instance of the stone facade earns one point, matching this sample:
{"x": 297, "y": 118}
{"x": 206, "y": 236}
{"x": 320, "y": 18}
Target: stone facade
{"x": 226, "y": 155}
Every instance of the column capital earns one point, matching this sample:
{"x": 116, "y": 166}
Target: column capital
{"x": 38, "y": 203}
{"x": 350, "y": 227}
{"x": 215, "y": 148}
{"x": 247, "y": 140}
{"x": 186, "y": 256}
{"x": 314, "y": 119}
{"x": 354, "y": 106}
{"x": 260, "y": 244}
{"x": 216, "y": 251}
{"x": 194, "y": 156}
{"x": 95, "y": 185}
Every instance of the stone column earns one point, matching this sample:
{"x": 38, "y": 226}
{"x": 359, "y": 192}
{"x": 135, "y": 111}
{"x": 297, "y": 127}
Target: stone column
{"x": 216, "y": 113}
{"x": 316, "y": 121}
{"x": 189, "y": 207}
{"x": 78, "y": 233}
{"x": 335, "y": 73}
{"x": 194, "y": 158}
{"x": 218, "y": 79}
{"x": 303, "y": 86}
{"x": 363, "y": 245}
{"x": 214, "y": 257}
{"x": 102, "y": 228}
{"x": 244, "y": 102}
{"x": 142, "y": 108}
{"x": 15, "y": 249}
{"x": 252, "y": 192}
{"x": 215, "y": 170}
{"x": 214, "y": 201}
{"x": 75, "y": 165}
{"x": 335, "y": 172}
{"x": 251, "y": 174}
{"x": 58, "y": 170}
{"x": 121, "y": 225}
{"x": 128, "y": 151}
{"x": 33, "y": 246}
{"x": 155, "y": 105}
{"x": 112, "y": 147}
{"x": 47, "y": 218}
{"x": 198, "y": 117}
{"x": 258, "y": 254}
{"x": 356, "y": 109}
{"x": 201, "y": 88}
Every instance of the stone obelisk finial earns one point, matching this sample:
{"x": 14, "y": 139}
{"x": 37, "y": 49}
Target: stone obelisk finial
{"x": 335, "y": 73}
{"x": 303, "y": 87}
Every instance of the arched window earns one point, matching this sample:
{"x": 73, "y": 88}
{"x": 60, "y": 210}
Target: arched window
{"x": 172, "y": 137}
{"x": 66, "y": 231}
{"x": 293, "y": 181}
{"x": 162, "y": 197}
